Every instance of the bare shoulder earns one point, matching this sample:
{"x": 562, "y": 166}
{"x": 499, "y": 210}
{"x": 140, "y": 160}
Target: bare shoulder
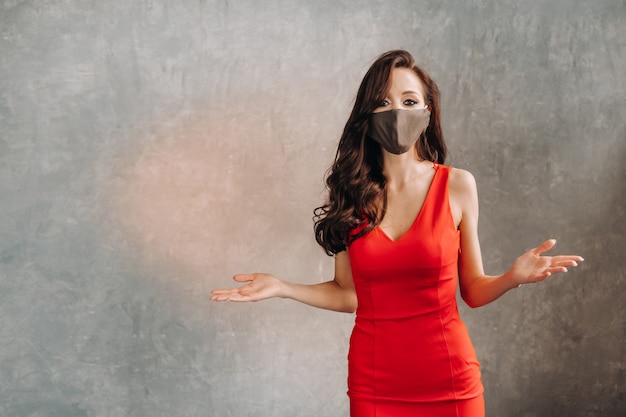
{"x": 461, "y": 182}
{"x": 463, "y": 195}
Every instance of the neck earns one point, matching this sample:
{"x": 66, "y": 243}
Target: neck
{"x": 401, "y": 169}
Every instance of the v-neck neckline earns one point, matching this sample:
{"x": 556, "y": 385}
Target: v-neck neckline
{"x": 419, "y": 213}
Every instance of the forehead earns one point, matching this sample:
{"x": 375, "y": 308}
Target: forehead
{"x": 403, "y": 80}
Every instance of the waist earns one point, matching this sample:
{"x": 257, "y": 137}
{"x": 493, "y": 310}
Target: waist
{"x": 398, "y": 300}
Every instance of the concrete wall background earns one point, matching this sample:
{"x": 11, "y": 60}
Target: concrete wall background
{"x": 149, "y": 150}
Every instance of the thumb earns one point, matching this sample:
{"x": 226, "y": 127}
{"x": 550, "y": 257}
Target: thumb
{"x": 243, "y": 277}
{"x": 544, "y": 247}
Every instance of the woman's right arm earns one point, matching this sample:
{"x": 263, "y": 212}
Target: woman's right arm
{"x": 336, "y": 295}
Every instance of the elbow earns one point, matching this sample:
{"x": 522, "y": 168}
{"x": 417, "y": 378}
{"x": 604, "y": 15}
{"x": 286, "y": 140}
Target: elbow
{"x": 345, "y": 300}
{"x": 351, "y": 303}
{"x": 471, "y": 293}
{"x": 473, "y": 305}
{"x": 471, "y": 302}
{"x": 351, "y": 307}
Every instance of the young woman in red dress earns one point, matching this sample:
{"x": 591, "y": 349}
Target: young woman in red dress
{"x": 402, "y": 227}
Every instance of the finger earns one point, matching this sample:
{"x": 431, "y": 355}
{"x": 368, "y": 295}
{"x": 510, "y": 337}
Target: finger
{"x": 544, "y": 247}
{"x": 568, "y": 258}
{"x": 557, "y": 269}
{"x": 564, "y": 262}
{"x": 227, "y": 298}
{"x": 243, "y": 277}
{"x": 225, "y": 292}
{"x": 220, "y": 295}
{"x": 230, "y": 291}
{"x": 234, "y": 294}
{"x": 239, "y": 298}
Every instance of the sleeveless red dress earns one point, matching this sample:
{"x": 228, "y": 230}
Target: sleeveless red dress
{"x": 410, "y": 353}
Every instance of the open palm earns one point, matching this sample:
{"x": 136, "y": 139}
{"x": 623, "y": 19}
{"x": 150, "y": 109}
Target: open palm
{"x": 258, "y": 287}
{"x": 533, "y": 267}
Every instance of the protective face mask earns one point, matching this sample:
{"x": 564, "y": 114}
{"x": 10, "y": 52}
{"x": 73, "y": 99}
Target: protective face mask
{"x": 397, "y": 130}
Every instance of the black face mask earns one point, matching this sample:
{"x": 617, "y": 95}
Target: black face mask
{"x": 397, "y": 130}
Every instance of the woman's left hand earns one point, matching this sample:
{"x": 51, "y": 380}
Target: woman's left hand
{"x": 533, "y": 267}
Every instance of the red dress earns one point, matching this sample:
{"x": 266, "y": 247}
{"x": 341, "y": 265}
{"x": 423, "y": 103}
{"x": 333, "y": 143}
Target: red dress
{"x": 410, "y": 353}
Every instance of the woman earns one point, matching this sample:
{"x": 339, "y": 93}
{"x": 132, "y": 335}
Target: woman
{"x": 403, "y": 230}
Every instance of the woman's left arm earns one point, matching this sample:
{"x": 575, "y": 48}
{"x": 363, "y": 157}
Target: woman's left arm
{"x": 478, "y": 289}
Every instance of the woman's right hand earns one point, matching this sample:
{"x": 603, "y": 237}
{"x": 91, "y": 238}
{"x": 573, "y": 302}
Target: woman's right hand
{"x": 258, "y": 287}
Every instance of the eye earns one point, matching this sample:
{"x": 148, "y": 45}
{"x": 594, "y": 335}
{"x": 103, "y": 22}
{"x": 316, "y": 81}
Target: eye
{"x": 384, "y": 103}
{"x": 410, "y": 102}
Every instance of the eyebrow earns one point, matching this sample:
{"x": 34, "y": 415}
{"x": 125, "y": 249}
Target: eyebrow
{"x": 411, "y": 92}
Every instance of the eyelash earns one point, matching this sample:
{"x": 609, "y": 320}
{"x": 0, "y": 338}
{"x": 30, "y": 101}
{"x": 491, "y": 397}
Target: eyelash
{"x": 412, "y": 102}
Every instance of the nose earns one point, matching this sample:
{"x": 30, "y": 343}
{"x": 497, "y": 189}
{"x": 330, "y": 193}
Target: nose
{"x": 396, "y": 105}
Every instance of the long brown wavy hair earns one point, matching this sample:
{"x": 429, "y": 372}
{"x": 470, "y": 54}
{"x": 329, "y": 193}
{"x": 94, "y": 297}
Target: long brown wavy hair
{"x": 355, "y": 182}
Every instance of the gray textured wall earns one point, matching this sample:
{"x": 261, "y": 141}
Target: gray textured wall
{"x": 151, "y": 149}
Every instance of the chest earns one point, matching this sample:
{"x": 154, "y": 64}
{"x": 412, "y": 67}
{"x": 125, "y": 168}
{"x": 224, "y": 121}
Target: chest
{"x": 404, "y": 207}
